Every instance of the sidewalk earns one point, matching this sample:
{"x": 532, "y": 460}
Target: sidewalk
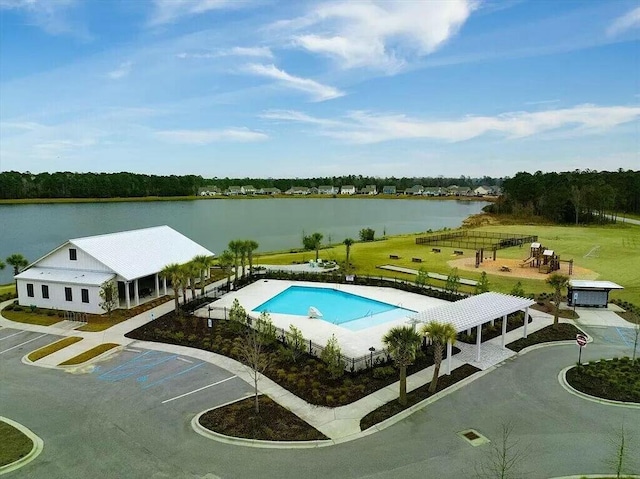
{"x": 336, "y": 423}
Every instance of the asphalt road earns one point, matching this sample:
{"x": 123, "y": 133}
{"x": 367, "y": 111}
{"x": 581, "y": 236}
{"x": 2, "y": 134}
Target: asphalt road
{"x": 116, "y": 423}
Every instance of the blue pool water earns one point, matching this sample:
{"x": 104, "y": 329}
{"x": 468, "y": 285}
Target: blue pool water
{"x": 337, "y": 307}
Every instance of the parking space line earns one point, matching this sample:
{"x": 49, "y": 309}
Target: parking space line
{"x": 623, "y": 336}
{"x": 197, "y": 390}
{"x": 12, "y": 335}
{"x": 171, "y": 376}
{"x": 132, "y": 350}
{"x": 22, "y": 344}
{"x": 133, "y": 369}
{"x": 185, "y": 360}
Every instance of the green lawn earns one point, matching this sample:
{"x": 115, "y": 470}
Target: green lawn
{"x": 15, "y": 444}
{"x": 53, "y": 347}
{"x": 7, "y": 288}
{"x": 617, "y": 258}
{"x": 90, "y": 354}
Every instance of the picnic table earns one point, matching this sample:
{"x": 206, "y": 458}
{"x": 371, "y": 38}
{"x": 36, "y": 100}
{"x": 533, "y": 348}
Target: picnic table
{"x": 394, "y": 256}
{"x": 416, "y": 260}
{"x": 505, "y": 269}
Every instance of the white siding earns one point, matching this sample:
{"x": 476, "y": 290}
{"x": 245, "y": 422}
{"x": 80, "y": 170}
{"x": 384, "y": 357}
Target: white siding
{"x": 57, "y": 297}
{"x": 60, "y": 259}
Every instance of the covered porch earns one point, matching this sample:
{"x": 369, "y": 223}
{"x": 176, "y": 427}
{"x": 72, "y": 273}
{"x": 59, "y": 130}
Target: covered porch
{"x": 474, "y": 312}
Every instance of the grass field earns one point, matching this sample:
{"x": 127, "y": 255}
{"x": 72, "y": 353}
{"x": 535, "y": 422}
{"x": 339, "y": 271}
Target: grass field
{"x": 615, "y": 256}
{"x": 14, "y": 444}
{"x": 7, "y": 288}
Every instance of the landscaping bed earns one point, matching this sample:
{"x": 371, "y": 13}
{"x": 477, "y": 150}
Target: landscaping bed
{"x": 52, "y": 348}
{"x": 25, "y": 315}
{"x": 546, "y": 306}
{"x": 394, "y": 407}
{"x": 307, "y": 378}
{"x": 15, "y": 444}
{"x": 615, "y": 379}
{"x": 90, "y": 354}
{"x": 273, "y": 423}
{"x": 514, "y": 321}
{"x": 548, "y": 334}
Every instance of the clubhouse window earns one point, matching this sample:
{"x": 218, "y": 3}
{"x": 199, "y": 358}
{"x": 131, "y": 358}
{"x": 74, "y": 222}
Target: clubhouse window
{"x": 73, "y": 254}
{"x": 85, "y": 295}
{"x": 30, "y": 290}
{"x": 45, "y": 291}
{"x": 68, "y": 295}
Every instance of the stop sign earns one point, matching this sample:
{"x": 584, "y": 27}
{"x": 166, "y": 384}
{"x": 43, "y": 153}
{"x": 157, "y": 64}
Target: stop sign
{"x": 581, "y": 339}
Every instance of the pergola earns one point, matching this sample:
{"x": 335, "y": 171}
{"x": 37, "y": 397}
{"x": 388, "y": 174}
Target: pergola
{"x": 474, "y": 312}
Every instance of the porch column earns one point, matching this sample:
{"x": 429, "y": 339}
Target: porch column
{"x": 469, "y": 332}
{"x": 157, "y": 286}
{"x": 126, "y": 294}
{"x": 526, "y": 321}
{"x": 493, "y": 322}
{"x": 478, "y": 341}
{"x": 448, "y": 357}
{"x": 136, "y": 291}
{"x": 164, "y": 285}
{"x": 504, "y": 330}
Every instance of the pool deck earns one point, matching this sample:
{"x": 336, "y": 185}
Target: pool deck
{"x": 352, "y": 343}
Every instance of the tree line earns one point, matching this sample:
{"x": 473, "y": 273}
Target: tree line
{"x": 585, "y": 196}
{"x": 16, "y": 185}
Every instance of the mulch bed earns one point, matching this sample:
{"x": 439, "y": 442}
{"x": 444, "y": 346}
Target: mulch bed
{"x": 514, "y": 321}
{"x": 272, "y": 423}
{"x": 617, "y": 379}
{"x": 394, "y": 407}
{"x": 307, "y": 378}
{"x": 563, "y": 332}
{"x": 549, "y": 308}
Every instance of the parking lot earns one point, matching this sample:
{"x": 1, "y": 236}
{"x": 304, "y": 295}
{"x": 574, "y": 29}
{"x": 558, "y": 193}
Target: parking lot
{"x": 17, "y": 343}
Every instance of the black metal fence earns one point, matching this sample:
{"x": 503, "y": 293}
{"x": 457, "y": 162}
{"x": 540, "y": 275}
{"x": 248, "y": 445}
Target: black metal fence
{"x": 476, "y": 239}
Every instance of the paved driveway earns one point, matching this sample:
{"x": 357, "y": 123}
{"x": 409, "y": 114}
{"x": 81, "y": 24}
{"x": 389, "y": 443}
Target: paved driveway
{"x": 113, "y": 428}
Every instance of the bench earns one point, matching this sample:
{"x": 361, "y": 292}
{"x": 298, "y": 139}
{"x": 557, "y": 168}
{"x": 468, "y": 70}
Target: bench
{"x": 416, "y": 260}
{"x": 394, "y": 256}
{"x": 435, "y": 250}
{"x": 505, "y": 269}
{"x": 458, "y": 252}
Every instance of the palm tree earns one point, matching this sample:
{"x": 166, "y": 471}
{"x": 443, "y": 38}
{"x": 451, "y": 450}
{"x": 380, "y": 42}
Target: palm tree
{"x": 439, "y": 334}
{"x": 558, "y": 282}
{"x": 243, "y": 255}
{"x": 234, "y": 247}
{"x": 191, "y": 272}
{"x": 348, "y": 242}
{"x": 17, "y": 261}
{"x": 203, "y": 262}
{"x": 225, "y": 260}
{"x": 316, "y": 239}
{"x": 173, "y": 272}
{"x": 251, "y": 246}
{"x": 402, "y": 342}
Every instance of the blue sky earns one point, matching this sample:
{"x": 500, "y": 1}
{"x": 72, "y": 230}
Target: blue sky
{"x": 264, "y": 88}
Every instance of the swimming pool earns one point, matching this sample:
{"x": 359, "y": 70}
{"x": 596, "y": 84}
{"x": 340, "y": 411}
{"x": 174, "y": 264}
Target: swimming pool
{"x": 337, "y": 307}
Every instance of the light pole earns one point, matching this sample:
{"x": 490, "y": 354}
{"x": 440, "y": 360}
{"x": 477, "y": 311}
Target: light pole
{"x": 371, "y": 351}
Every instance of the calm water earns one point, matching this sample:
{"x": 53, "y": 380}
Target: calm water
{"x": 275, "y": 224}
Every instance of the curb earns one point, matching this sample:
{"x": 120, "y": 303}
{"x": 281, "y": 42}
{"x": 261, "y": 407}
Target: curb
{"x": 597, "y": 476}
{"x": 38, "y": 446}
{"x": 562, "y": 378}
{"x": 240, "y": 441}
{"x": 79, "y": 368}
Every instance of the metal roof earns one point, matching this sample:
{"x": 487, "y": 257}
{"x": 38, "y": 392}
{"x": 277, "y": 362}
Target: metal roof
{"x": 70, "y": 276}
{"x": 475, "y": 310}
{"x": 137, "y": 253}
{"x": 587, "y": 284}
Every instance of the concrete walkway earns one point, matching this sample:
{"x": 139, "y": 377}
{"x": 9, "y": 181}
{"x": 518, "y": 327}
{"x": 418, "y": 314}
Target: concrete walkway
{"x": 438, "y": 276}
{"x": 340, "y": 423}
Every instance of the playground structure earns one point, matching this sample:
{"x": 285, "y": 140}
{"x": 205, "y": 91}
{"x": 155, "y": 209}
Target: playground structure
{"x": 546, "y": 260}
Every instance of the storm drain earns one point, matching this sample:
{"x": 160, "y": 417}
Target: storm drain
{"x": 473, "y": 437}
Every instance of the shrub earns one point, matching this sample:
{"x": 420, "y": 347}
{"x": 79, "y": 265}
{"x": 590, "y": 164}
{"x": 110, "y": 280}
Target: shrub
{"x": 367, "y": 234}
{"x": 17, "y": 308}
{"x": 383, "y": 372}
{"x": 51, "y": 313}
{"x": 332, "y": 356}
{"x": 9, "y": 308}
{"x": 315, "y": 393}
{"x": 329, "y": 399}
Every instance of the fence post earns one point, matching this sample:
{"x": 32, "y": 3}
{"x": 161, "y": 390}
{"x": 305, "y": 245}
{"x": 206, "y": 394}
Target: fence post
{"x": 310, "y": 347}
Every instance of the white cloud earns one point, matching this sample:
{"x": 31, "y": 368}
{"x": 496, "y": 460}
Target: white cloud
{"x": 49, "y": 15}
{"x": 365, "y": 127}
{"x": 170, "y": 11}
{"x": 123, "y": 70}
{"x": 262, "y": 52}
{"x": 378, "y": 34}
{"x": 204, "y": 137}
{"x": 318, "y": 91}
{"x": 629, "y": 20}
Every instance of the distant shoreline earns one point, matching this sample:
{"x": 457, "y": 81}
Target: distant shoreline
{"x": 36, "y": 201}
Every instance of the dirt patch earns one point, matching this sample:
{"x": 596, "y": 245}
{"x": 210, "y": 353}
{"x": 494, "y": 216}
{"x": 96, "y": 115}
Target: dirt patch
{"x": 516, "y": 271}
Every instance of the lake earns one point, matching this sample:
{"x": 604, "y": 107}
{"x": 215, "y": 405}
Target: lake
{"x": 276, "y": 224}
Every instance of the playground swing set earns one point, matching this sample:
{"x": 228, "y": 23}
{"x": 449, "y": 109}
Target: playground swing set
{"x": 546, "y": 260}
